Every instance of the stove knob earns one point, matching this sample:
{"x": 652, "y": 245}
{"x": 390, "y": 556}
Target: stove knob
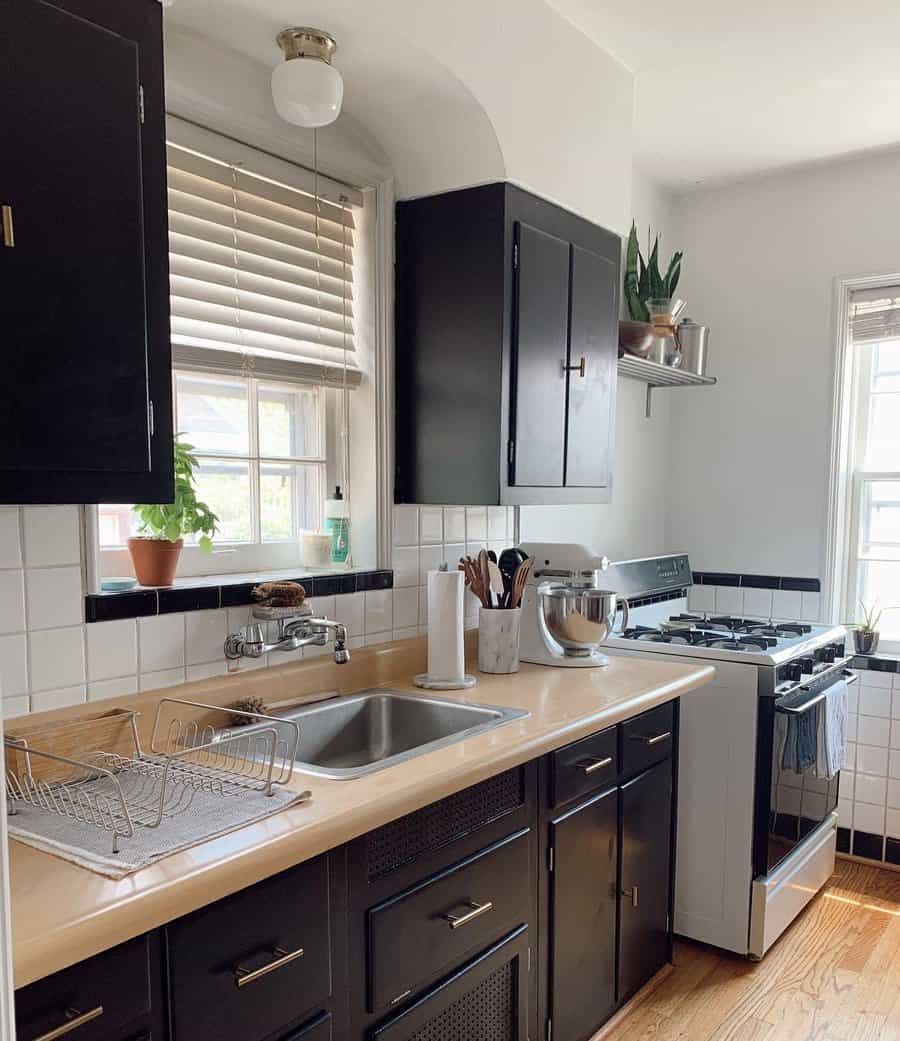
{"x": 792, "y": 672}
{"x": 829, "y": 654}
{"x": 806, "y": 666}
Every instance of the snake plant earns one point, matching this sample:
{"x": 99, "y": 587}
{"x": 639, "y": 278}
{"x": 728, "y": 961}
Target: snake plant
{"x": 643, "y": 281}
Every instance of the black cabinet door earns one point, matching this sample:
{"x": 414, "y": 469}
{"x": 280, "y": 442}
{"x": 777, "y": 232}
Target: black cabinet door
{"x": 541, "y": 311}
{"x": 75, "y": 263}
{"x": 646, "y": 809}
{"x": 593, "y": 351}
{"x": 583, "y": 917}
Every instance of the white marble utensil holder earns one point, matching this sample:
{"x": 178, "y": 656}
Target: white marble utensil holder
{"x": 498, "y": 639}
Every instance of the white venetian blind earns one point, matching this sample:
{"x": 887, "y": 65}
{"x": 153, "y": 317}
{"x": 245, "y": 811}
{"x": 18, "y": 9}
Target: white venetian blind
{"x": 875, "y": 315}
{"x": 261, "y": 268}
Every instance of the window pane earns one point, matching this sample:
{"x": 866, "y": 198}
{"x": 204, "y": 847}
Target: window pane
{"x": 115, "y": 523}
{"x": 289, "y": 421}
{"x": 290, "y": 500}
{"x": 880, "y": 581}
{"x": 886, "y": 366}
{"x": 225, "y": 487}
{"x": 880, "y": 519}
{"x": 213, "y": 414}
{"x": 883, "y": 442}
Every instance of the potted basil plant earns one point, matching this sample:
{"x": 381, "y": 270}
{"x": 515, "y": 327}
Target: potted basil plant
{"x": 156, "y": 548}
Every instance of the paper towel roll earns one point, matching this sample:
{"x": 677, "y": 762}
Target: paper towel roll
{"x": 446, "y": 644}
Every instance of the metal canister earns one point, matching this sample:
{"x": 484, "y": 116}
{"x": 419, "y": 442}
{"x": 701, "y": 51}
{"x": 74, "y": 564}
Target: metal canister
{"x": 693, "y": 339}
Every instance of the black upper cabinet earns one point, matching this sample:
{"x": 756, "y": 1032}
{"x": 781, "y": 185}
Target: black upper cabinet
{"x": 506, "y": 345}
{"x": 85, "y": 406}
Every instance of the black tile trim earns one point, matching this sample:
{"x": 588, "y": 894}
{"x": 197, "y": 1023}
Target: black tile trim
{"x": 868, "y": 845}
{"x": 729, "y": 578}
{"x": 143, "y": 603}
{"x": 659, "y": 598}
{"x": 873, "y": 663}
{"x": 843, "y": 840}
{"x": 892, "y": 851}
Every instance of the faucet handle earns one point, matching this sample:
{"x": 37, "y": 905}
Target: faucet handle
{"x": 252, "y": 633}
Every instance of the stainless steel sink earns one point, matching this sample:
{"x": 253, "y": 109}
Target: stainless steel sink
{"x": 357, "y": 734}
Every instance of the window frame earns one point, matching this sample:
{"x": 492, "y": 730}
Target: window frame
{"x": 847, "y": 478}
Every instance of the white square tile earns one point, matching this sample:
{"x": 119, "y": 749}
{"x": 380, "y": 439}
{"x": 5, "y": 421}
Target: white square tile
{"x": 57, "y": 658}
{"x": 811, "y": 607}
{"x": 895, "y": 704}
{"x": 423, "y": 606}
{"x": 875, "y": 701}
{"x": 729, "y": 600}
{"x": 12, "y": 602}
{"x": 430, "y": 559}
{"x": 787, "y": 604}
{"x": 848, "y": 778}
{"x": 453, "y": 551}
{"x": 350, "y": 610}
{"x": 758, "y": 603}
{"x": 357, "y": 643}
{"x": 406, "y": 608}
{"x": 322, "y": 606}
{"x": 496, "y": 521}
{"x": 249, "y": 664}
{"x": 20, "y": 705}
{"x": 161, "y": 642}
{"x": 406, "y": 526}
{"x": 454, "y": 524}
{"x": 406, "y": 634}
{"x": 237, "y": 618}
{"x": 373, "y": 639}
{"x": 894, "y": 763}
{"x": 872, "y": 678}
{"x": 10, "y": 542}
{"x": 895, "y": 733}
{"x": 867, "y": 817}
{"x": 162, "y": 678}
{"x": 474, "y": 548}
{"x": 52, "y": 535}
{"x": 892, "y": 824}
{"x": 893, "y": 793}
{"x": 870, "y": 789}
{"x": 845, "y": 813}
{"x": 853, "y": 699}
{"x": 871, "y": 759}
{"x": 205, "y": 633}
{"x": 205, "y": 672}
{"x": 13, "y": 665}
{"x": 379, "y": 610}
{"x": 873, "y": 730}
{"x": 99, "y": 690}
{"x": 50, "y": 699}
{"x": 405, "y": 560}
{"x": 431, "y": 525}
{"x": 850, "y": 760}
{"x": 852, "y": 726}
{"x": 702, "y": 598}
{"x": 476, "y": 524}
{"x": 111, "y": 649}
{"x": 55, "y": 597}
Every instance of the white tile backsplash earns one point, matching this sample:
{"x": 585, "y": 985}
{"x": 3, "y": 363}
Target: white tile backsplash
{"x": 430, "y": 559}
{"x": 161, "y": 642}
{"x": 431, "y": 525}
{"x": 476, "y": 524}
{"x": 12, "y": 601}
{"x": 758, "y": 603}
{"x": 10, "y": 537}
{"x": 379, "y": 610}
{"x": 875, "y": 701}
{"x": 496, "y": 523}
{"x": 406, "y": 608}
{"x": 98, "y": 690}
{"x": 406, "y": 526}
{"x": 50, "y": 699}
{"x": 702, "y": 598}
{"x": 454, "y": 524}
{"x": 14, "y": 665}
{"x": 787, "y": 604}
{"x": 111, "y": 649}
{"x": 52, "y": 535}
{"x": 729, "y": 600}
{"x": 162, "y": 678}
{"x": 56, "y": 657}
{"x": 204, "y": 639}
{"x": 55, "y": 597}
{"x": 350, "y": 610}
{"x": 811, "y": 607}
{"x": 405, "y": 561}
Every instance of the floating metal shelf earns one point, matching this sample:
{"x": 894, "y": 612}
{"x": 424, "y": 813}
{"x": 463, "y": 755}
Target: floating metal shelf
{"x": 656, "y": 375}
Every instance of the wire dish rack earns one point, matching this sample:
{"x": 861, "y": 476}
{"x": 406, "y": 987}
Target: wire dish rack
{"x": 120, "y": 791}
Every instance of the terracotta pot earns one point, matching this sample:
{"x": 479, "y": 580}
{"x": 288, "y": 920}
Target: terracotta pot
{"x": 155, "y": 560}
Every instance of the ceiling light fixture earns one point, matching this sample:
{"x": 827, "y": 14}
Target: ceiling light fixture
{"x": 306, "y": 88}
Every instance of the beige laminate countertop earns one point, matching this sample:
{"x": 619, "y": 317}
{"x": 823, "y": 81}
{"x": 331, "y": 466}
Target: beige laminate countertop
{"x": 62, "y": 914}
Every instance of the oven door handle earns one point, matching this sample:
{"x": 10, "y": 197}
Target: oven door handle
{"x": 805, "y": 706}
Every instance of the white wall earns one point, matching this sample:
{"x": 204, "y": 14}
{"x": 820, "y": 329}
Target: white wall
{"x": 634, "y": 524}
{"x": 750, "y": 456}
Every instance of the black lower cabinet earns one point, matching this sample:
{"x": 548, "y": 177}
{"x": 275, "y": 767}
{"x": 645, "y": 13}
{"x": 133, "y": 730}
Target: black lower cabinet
{"x": 583, "y": 917}
{"x": 485, "y": 1000}
{"x": 644, "y": 900}
{"x": 318, "y": 1029}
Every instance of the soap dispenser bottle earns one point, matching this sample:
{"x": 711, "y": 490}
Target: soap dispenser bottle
{"x": 337, "y": 524}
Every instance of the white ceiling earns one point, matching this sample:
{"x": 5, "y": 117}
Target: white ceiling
{"x": 727, "y": 90}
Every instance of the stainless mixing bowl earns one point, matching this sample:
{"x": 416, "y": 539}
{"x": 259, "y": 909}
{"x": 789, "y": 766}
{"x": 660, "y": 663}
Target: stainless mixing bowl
{"x": 579, "y": 618}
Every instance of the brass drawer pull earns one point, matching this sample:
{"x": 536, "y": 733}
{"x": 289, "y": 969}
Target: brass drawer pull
{"x": 244, "y": 976}
{"x": 632, "y": 894}
{"x": 76, "y": 1019}
{"x": 593, "y": 765}
{"x": 650, "y": 741}
{"x": 457, "y": 921}
{"x": 9, "y": 239}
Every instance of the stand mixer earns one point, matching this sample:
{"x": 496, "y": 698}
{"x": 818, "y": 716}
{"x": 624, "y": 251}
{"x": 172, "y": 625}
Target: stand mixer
{"x": 566, "y": 612}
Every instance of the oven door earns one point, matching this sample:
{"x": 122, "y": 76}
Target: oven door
{"x": 800, "y": 796}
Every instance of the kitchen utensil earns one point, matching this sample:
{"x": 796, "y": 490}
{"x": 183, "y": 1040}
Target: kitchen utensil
{"x": 579, "y": 618}
{"x": 498, "y": 587}
{"x": 519, "y": 581}
{"x": 472, "y": 575}
{"x": 484, "y": 568}
{"x": 664, "y": 349}
{"x": 509, "y": 560}
{"x": 693, "y": 340}
{"x": 635, "y": 338}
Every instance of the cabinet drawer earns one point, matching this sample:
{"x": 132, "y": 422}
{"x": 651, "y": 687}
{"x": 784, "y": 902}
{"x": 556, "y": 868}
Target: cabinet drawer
{"x": 235, "y": 967}
{"x": 648, "y": 738}
{"x": 584, "y": 766}
{"x": 485, "y": 999}
{"x": 117, "y": 983}
{"x": 318, "y": 1029}
{"x": 426, "y": 929}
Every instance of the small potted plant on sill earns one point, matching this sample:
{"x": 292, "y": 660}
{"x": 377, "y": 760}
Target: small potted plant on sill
{"x": 865, "y": 633}
{"x": 157, "y": 547}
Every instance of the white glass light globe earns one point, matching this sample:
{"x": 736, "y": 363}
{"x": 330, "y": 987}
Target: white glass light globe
{"x": 307, "y": 92}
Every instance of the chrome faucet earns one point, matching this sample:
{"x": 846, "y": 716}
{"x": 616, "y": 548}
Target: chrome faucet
{"x": 298, "y": 630}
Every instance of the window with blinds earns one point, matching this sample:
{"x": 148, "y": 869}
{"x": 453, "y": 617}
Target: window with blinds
{"x": 259, "y": 268}
{"x": 874, "y": 471}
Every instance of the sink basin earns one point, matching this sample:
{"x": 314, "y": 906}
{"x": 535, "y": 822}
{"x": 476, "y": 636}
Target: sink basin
{"x": 358, "y": 734}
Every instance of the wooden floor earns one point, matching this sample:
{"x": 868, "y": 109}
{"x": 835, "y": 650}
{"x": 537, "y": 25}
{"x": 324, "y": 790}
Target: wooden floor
{"x": 834, "y": 976}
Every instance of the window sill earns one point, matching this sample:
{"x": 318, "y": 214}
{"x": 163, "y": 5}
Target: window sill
{"x": 209, "y": 594}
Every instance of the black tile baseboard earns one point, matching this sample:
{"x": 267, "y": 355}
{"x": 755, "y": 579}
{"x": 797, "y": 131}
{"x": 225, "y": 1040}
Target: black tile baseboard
{"x": 892, "y": 851}
{"x": 868, "y": 845}
{"x": 144, "y": 603}
{"x": 728, "y": 578}
{"x": 843, "y": 840}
